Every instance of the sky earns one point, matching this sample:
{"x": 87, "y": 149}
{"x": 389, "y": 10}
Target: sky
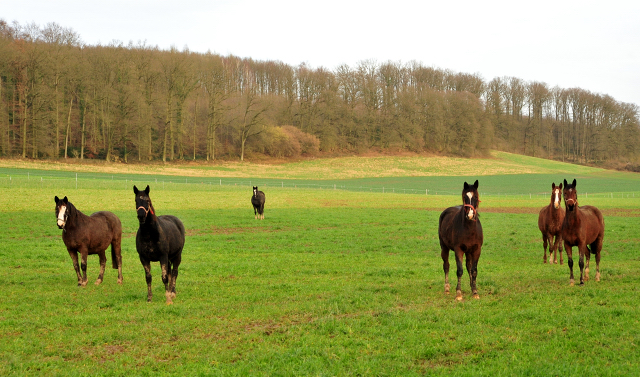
{"x": 593, "y": 45}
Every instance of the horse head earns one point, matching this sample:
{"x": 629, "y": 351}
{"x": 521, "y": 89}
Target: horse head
{"x": 556, "y": 195}
{"x": 570, "y": 195}
{"x": 255, "y": 191}
{"x": 143, "y": 203}
{"x": 61, "y": 211}
{"x": 470, "y": 200}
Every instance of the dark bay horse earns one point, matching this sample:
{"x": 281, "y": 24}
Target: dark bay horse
{"x": 550, "y": 222}
{"x": 258, "y": 200}
{"x": 159, "y": 239}
{"x": 459, "y": 229}
{"x": 582, "y": 227}
{"x": 90, "y": 235}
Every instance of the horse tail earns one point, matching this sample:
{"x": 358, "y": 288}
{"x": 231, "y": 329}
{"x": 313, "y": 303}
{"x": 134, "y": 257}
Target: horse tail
{"x": 116, "y": 242}
{"x": 114, "y": 258}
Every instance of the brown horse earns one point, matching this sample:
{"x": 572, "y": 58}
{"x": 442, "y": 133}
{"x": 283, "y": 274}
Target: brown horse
{"x": 90, "y": 235}
{"x": 550, "y": 224}
{"x": 460, "y": 230}
{"x": 582, "y": 227}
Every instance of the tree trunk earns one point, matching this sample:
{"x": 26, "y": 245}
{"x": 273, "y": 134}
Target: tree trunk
{"x": 66, "y": 138}
{"x": 82, "y": 137}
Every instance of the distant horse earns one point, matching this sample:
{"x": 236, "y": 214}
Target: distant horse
{"x": 550, "y": 224}
{"x": 90, "y": 235}
{"x": 258, "y": 200}
{"x": 159, "y": 239}
{"x": 582, "y": 227}
{"x": 460, "y": 230}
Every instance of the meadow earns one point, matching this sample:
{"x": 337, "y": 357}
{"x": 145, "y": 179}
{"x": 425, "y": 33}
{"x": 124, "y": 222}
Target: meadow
{"x": 332, "y": 282}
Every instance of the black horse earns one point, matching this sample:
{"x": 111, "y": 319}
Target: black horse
{"x": 159, "y": 239}
{"x": 258, "y": 200}
{"x": 90, "y": 235}
{"x": 459, "y": 229}
{"x": 582, "y": 227}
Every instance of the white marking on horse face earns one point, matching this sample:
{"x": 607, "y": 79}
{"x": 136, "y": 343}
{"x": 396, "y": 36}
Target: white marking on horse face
{"x": 470, "y": 195}
{"x": 63, "y": 209}
{"x": 470, "y": 214}
{"x": 556, "y": 201}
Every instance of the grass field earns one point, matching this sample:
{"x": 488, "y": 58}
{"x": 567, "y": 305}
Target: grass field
{"x": 332, "y": 282}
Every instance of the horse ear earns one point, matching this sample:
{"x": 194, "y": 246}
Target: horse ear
{"x": 560, "y": 187}
{"x": 565, "y": 183}
{"x": 65, "y": 200}
{"x": 56, "y": 199}
{"x": 147, "y": 190}
{"x": 574, "y": 182}
{"x": 475, "y": 184}
{"x": 466, "y": 185}
{"x": 135, "y": 190}
{"x": 553, "y": 185}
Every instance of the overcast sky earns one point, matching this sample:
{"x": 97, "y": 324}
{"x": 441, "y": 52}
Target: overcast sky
{"x": 594, "y": 45}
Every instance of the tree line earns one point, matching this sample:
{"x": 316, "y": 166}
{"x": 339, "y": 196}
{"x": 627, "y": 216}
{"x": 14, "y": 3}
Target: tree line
{"x": 62, "y": 98}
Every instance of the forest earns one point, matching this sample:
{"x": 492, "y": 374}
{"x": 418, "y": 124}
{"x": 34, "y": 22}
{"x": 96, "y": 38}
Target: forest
{"x": 61, "y": 98}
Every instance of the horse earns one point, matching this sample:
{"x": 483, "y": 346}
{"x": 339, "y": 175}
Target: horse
{"x": 257, "y": 200}
{"x": 550, "y": 222}
{"x": 159, "y": 239}
{"x": 459, "y": 229}
{"x": 89, "y": 235}
{"x": 582, "y": 227}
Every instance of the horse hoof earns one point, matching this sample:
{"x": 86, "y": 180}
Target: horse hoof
{"x": 571, "y": 283}
{"x": 581, "y": 283}
{"x": 98, "y": 282}
{"x": 120, "y": 281}
{"x": 458, "y": 298}
{"x": 476, "y": 296}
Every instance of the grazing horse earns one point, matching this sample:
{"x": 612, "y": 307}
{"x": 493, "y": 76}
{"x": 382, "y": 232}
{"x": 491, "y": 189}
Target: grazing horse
{"x": 257, "y": 200}
{"x": 90, "y": 235}
{"x": 550, "y": 224}
{"x": 582, "y": 227}
{"x": 459, "y": 229}
{"x": 159, "y": 239}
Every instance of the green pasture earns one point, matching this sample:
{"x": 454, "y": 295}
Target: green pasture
{"x": 332, "y": 282}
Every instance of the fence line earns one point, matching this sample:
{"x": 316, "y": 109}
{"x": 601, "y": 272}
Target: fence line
{"x": 102, "y": 182}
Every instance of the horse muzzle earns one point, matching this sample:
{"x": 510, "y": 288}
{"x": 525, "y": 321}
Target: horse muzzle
{"x": 60, "y": 224}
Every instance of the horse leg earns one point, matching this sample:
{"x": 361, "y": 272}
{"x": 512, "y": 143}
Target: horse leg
{"x": 581, "y": 252}
{"x": 558, "y": 246}
{"x": 147, "y": 272}
{"x": 445, "y": 266}
{"x": 174, "y": 275}
{"x": 262, "y": 211}
{"x": 473, "y": 272}
{"x": 588, "y": 258}
{"x": 103, "y": 264}
{"x": 166, "y": 271}
{"x": 567, "y": 248}
{"x": 255, "y": 213}
{"x": 544, "y": 245}
{"x": 74, "y": 258}
{"x": 459, "y": 272}
{"x": 84, "y": 253}
{"x": 596, "y": 247}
